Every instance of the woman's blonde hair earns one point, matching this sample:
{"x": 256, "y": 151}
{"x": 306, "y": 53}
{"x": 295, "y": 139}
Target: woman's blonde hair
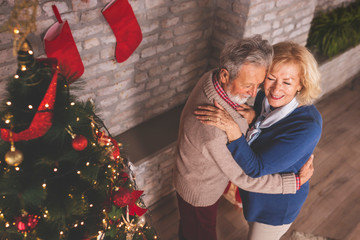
{"x": 290, "y": 52}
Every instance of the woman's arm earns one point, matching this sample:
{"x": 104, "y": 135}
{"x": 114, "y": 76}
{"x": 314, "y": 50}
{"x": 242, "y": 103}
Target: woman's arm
{"x": 278, "y": 154}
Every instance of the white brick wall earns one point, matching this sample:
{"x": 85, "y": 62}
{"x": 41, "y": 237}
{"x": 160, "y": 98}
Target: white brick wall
{"x": 337, "y": 71}
{"x": 292, "y": 20}
{"x": 154, "y": 175}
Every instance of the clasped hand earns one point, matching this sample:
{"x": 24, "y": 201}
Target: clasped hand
{"x": 217, "y": 116}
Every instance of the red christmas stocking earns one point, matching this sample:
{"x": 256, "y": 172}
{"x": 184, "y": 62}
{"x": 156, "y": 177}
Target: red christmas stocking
{"x": 122, "y": 20}
{"x": 60, "y": 44}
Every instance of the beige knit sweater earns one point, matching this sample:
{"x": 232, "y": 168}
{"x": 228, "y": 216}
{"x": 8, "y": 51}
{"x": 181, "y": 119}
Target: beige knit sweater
{"x": 204, "y": 165}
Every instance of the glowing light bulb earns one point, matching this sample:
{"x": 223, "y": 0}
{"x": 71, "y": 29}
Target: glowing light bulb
{"x": 30, "y": 52}
{"x": 8, "y": 103}
{"x": 7, "y": 121}
{"x": 46, "y": 105}
{"x": 17, "y": 169}
{"x": 78, "y": 172}
{"x": 55, "y": 169}
{"x": 30, "y": 107}
{"x": 44, "y": 185}
{"x": 16, "y": 31}
{"x": 88, "y": 163}
{"x": 16, "y": 76}
{"x": 23, "y": 68}
{"x": 72, "y": 103}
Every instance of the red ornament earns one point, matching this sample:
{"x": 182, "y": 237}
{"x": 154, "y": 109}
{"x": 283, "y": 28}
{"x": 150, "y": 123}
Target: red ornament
{"x": 121, "y": 197}
{"x": 26, "y": 222}
{"x": 79, "y": 143}
{"x": 105, "y": 140}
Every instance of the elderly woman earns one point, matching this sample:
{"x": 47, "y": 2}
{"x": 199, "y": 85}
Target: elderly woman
{"x": 280, "y": 140}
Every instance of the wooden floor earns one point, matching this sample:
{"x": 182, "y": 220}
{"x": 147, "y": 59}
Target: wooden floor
{"x": 332, "y": 208}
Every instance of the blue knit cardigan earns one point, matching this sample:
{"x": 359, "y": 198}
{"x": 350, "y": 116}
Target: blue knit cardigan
{"x": 284, "y": 147}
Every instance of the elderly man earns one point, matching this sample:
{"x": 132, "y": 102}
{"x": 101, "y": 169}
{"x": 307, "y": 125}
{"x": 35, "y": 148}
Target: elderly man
{"x": 204, "y": 166}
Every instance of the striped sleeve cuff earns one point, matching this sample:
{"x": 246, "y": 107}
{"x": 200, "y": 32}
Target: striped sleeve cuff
{"x": 298, "y": 183}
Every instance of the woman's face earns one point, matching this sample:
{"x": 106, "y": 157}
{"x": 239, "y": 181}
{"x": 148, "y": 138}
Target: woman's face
{"x": 282, "y": 84}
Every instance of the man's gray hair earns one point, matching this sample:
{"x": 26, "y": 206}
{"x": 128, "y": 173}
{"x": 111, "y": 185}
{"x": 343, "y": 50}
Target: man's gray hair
{"x": 252, "y": 50}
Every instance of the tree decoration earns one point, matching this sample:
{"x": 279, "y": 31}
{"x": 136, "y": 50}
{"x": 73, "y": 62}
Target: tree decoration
{"x": 26, "y": 222}
{"x": 122, "y": 197}
{"x": 110, "y": 142}
{"x": 14, "y": 157}
{"x": 22, "y": 21}
{"x": 79, "y": 143}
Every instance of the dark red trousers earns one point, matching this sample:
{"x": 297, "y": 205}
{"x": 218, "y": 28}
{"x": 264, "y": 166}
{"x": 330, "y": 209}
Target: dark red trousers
{"x": 197, "y": 223}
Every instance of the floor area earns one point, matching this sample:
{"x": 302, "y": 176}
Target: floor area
{"x": 332, "y": 208}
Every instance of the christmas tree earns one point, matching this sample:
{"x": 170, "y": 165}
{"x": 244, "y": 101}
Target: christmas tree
{"x": 62, "y": 175}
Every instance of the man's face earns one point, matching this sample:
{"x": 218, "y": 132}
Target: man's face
{"x": 245, "y": 84}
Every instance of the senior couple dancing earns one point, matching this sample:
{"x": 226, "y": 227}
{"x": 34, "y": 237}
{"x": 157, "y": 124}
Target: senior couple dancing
{"x": 266, "y": 150}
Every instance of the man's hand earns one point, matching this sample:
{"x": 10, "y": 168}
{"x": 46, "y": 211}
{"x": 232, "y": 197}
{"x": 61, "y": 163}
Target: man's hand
{"x": 307, "y": 170}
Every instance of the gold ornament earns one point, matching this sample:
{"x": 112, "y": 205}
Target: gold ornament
{"x": 14, "y": 157}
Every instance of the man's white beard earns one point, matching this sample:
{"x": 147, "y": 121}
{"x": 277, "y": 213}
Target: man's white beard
{"x": 237, "y": 98}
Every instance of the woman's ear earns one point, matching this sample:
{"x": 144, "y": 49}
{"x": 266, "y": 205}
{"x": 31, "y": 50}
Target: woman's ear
{"x": 299, "y": 89}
